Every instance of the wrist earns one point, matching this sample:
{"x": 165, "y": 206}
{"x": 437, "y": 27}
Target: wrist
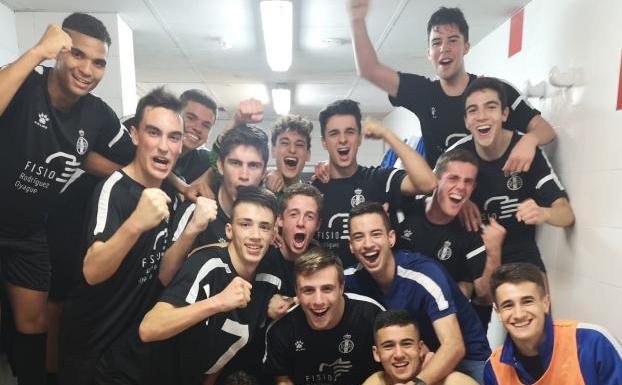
{"x": 531, "y": 139}
{"x": 36, "y": 53}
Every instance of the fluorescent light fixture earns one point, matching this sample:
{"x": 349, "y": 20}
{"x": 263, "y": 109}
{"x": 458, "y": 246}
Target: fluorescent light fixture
{"x": 276, "y": 21}
{"x": 281, "y": 100}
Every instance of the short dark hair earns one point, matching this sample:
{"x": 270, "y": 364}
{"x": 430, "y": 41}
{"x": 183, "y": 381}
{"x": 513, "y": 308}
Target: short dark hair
{"x": 516, "y": 273}
{"x": 448, "y": 16}
{"x": 245, "y": 135}
{"x": 301, "y": 189}
{"x": 293, "y": 123}
{"x": 394, "y": 317}
{"x": 455, "y": 155}
{"x": 340, "y": 107}
{"x": 158, "y": 97}
{"x": 200, "y": 97}
{"x": 486, "y": 83}
{"x": 87, "y": 25}
{"x": 369, "y": 208}
{"x": 259, "y": 196}
{"x": 316, "y": 259}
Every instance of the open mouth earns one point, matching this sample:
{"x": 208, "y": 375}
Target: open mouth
{"x": 161, "y": 162}
{"x": 522, "y": 324}
{"x": 455, "y": 198}
{"x": 371, "y": 257}
{"x": 192, "y": 137}
{"x": 445, "y": 61}
{"x": 484, "y": 129}
{"x": 290, "y": 162}
{"x": 253, "y": 248}
{"x": 299, "y": 237}
{"x": 400, "y": 365}
{"x": 319, "y": 314}
{"x": 82, "y": 83}
{"x": 343, "y": 152}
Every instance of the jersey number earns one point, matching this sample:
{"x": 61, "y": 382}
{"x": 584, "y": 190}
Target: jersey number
{"x": 237, "y": 329}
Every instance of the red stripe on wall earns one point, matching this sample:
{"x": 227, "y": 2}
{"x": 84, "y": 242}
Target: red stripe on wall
{"x": 620, "y": 86}
{"x": 516, "y": 33}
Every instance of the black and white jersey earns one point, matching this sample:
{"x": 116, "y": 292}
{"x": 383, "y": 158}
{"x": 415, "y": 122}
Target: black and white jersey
{"x": 43, "y": 148}
{"x": 498, "y": 196}
{"x": 368, "y": 184}
{"x": 339, "y": 356}
{"x": 214, "y": 233}
{"x": 103, "y": 312}
{"x": 188, "y": 167}
{"x": 461, "y": 252}
{"x": 207, "y": 346}
{"x": 442, "y": 116}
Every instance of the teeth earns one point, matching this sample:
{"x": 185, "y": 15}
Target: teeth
{"x": 161, "y": 160}
{"x": 455, "y": 196}
{"x": 483, "y": 128}
{"x": 193, "y": 137}
{"x": 343, "y": 151}
{"x": 290, "y": 161}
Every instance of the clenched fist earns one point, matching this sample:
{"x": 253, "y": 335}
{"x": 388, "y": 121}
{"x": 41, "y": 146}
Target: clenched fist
{"x": 205, "y": 212}
{"x": 152, "y": 209}
{"x": 236, "y": 295}
{"x": 53, "y": 41}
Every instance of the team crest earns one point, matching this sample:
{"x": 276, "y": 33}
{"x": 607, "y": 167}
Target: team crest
{"x": 445, "y": 252}
{"x": 82, "y": 144}
{"x": 299, "y": 345}
{"x": 358, "y": 197}
{"x": 346, "y": 345}
{"x": 515, "y": 182}
{"x": 222, "y": 240}
{"x": 433, "y": 112}
{"x": 42, "y": 120}
{"x": 407, "y": 235}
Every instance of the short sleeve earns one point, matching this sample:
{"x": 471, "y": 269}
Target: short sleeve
{"x": 412, "y": 93}
{"x": 474, "y": 256}
{"x": 113, "y": 139}
{"x": 277, "y": 360}
{"x": 178, "y": 292}
{"x": 108, "y": 210}
{"x": 548, "y": 187}
{"x": 521, "y": 112}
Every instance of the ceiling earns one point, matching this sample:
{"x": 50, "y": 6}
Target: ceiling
{"x": 217, "y": 45}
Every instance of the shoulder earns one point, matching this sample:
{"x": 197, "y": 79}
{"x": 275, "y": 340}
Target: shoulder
{"x": 465, "y": 143}
{"x": 363, "y": 302}
{"x": 595, "y": 336}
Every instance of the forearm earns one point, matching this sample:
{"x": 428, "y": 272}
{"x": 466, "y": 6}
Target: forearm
{"x": 103, "y": 259}
{"x": 178, "y": 184}
{"x": 541, "y": 130}
{"x": 482, "y": 284}
{"x": 466, "y": 288}
{"x": 98, "y": 165}
{"x": 164, "y": 320}
{"x": 422, "y": 179}
{"x": 442, "y": 363}
{"x": 176, "y": 254}
{"x": 14, "y": 75}
{"x": 560, "y": 213}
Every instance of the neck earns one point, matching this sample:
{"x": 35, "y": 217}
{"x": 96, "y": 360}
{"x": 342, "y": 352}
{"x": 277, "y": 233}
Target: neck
{"x": 384, "y": 277}
{"x": 456, "y": 85}
{"x": 291, "y": 181}
{"x": 497, "y": 148}
{"x": 287, "y": 254}
{"x": 246, "y": 271}
{"x": 185, "y": 150}
{"x": 434, "y": 213}
{"x": 139, "y": 175}
{"x": 59, "y": 99}
{"x": 225, "y": 201}
{"x": 529, "y": 348}
{"x": 342, "y": 172}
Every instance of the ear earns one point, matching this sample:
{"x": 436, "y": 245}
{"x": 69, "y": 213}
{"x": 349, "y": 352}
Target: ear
{"x": 547, "y": 304}
{"x": 308, "y": 157}
{"x": 467, "y": 47}
{"x": 279, "y": 220}
{"x": 506, "y": 113}
{"x": 219, "y": 166}
{"x": 374, "y": 351}
{"x": 134, "y": 135}
{"x": 391, "y": 238}
{"x": 229, "y": 231}
{"x": 323, "y": 143}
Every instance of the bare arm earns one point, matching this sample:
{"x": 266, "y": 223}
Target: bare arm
{"x": 103, "y": 259}
{"x": 53, "y": 41}
{"x": 539, "y": 133}
{"x": 165, "y": 320}
{"x": 493, "y": 236}
{"x": 367, "y": 64}
{"x": 449, "y": 353}
{"x": 98, "y": 165}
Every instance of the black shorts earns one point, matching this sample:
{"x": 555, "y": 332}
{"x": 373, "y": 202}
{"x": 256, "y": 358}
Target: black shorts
{"x": 25, "y": 260}
{"x": 66, "y": 255}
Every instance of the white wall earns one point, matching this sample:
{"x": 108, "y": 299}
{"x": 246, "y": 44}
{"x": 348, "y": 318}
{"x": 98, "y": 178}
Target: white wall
{"x": 585, "y": 262}
{"x": 8, "y": 43}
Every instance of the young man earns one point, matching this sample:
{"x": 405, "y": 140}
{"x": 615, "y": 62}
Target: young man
{"x": 438, "y": 103}
{"x": 518, "y": 201}
{"x": 537, "y": 349}
{"x": 52, "y": 126}
{"x": 291, "y": 149}
{"x": 351, "y": 184}
{"x": 210, "y": 310}
{"x": 431, "y": 227}
{"x": 123, "y": 267}
{"x": 398, "y": 348}
{"x": 326, "y": 338}
{"x": 414, "y": 282}
{"x": 242, "y": 162}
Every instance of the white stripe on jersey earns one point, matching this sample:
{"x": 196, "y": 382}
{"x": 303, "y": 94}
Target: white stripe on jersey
{"x": 555, "y": 178}
{"x": 273, "y": 279}
{"x": 521, "y": 97}
{"x": 605, "y": 333}
{"x": 104, "y": 200}
{"x": 467, "y": 138}
{"x": 352, "y": 270}
{"x": 183, "y": 221}
{"x": 265, "y": 354}
{"x": 118, "y": 136}
{"x": 517, "y": 102}
{"x": 211, "y": 264}
{"x": 358, "y": 297}
{"x": 428, "y": 284}
{"x": 473, "y": 253}
{"x": 388, "y": 186}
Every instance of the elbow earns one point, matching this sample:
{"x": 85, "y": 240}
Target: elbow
{"x": 429, "y": 185}
{"x": 146, "y": 331}
{"x": 90, "y": 274}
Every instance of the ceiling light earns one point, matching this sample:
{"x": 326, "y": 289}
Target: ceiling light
{"x": 276, "y": 21}
{"x": 281, "y": 100}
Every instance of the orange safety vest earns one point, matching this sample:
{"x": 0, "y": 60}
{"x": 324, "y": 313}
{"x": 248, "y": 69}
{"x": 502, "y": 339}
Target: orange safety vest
{"x": 563, "y": 368}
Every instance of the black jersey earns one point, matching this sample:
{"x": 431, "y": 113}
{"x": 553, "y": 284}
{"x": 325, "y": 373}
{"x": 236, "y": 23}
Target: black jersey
{"x": 188, "y": 167}
{"x": 339, "y": 356}
{"x": 442, "y": 116}
{"x": 368, "y": 184}
{"x": 43, "y": 148}
{"x": 207, "y": 346}
{"x": 103, "y": 312}
{"x": 215, "y": 232}
{"x": 498, "y": 196}
{"x": 461, "y": 252}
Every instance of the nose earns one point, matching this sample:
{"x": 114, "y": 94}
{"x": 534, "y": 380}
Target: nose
{"x": 518, "y": 312}
{"x": 318, "y": 298}
{"x": 300, "y": 221}
{"x": 291, "y": 148}
{"x": 85, "y": 67}
{"x": 244, "y": 173}
{"x": 163, "y": 144}
{"x": 398, "y": 352}
{"x": 342, "y": 138}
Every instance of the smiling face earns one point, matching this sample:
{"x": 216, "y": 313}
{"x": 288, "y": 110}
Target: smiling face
{"x": 198, "y": 121}
{"x": 397, "y": 350}
{"x": 291, "y": 153}
{"x": 484, "y": 117}
{"x": 455, "y": 187}
{"x": 446, "y": 51}
{"x": 80, "y": 69}
{"x": 158, "y": 144}
{"x": 251, "y": 232}
{"x": 300, "y": 220}
{"x": 320, "y": 295}
{"x": 371, "y": 242}
{"x": 342, "y": 139}
{"x": 522, "y": 309}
